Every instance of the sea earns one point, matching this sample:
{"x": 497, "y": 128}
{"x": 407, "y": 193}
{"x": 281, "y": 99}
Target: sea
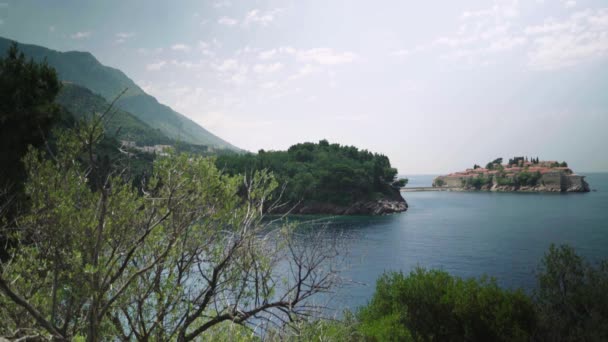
{"x": 468, "y": 234}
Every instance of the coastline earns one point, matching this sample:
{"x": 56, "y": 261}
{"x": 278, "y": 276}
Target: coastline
{"x": 383, "y": 206}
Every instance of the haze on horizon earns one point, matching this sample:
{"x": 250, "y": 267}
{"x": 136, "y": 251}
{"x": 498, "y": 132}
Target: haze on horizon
{"x": 435, "y": 86}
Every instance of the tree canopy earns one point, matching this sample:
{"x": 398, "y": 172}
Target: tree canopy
{"x": 169, "y": 259}
{"x": 27, "y": 111}
{"x": 321, "y": 172}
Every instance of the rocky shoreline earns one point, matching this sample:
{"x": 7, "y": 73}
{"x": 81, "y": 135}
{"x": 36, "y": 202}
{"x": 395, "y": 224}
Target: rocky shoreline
{"x": 383, "y": 206}
{"x": 518, "y": 175}
{"x": 583, "y": 187}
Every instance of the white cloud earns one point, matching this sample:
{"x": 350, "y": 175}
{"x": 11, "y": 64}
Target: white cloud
{"x": 268, "y": 54}
{"x": 227, "y": 65}
{"x": 147, "y": 52}
{"x": 401, "y": 53}
{"x": 233, "y": 72}
{"x": 262, "y": 18}
{"x": 267, "y": 68}
{"x": 1, "y": 21}
{"x": 81, "y": 35}
{"x": 268, "y": 85}
{"x": 180, "y": 47}
{"x": 506, "y": 43}
{"x": 205, "y": 48}
{"x": 326, "y": 56}
{"x": 581, "y": 37}
{"x": 569, "y": 3}
{"x": 122, "y": 37}
{"x": 482, "y": 34}
{"x": 222, "y": 4}
{"x": 499, "y": 9}
{"x": 156, "y": 66}
{"x": 227, "y": 21}
{"x": 51, "y": 28}
{"x": 3, "y": 4}
{"x": 188, "y": 64}
{"x": 304, "y": 71}
{"x": 125, "y": 35}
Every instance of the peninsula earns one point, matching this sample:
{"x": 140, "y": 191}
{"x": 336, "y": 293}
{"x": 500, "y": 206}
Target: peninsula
{"x": 324, "y": 178}
{"x": 518, "y": 174}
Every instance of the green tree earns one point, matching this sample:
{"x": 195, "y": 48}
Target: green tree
{"x": 490, "y": 165}
{"x": 27, "y": 92}
{"x": 27, "y": 111}
{"x": 172, "y": 260}
{"x": 572, "y": 297}
{"x": 322, "y": 172}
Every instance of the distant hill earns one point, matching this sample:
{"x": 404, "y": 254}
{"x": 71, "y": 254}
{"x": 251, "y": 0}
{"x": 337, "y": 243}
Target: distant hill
{"x": 82, "y": 68}
{"x": 83, "y": 103}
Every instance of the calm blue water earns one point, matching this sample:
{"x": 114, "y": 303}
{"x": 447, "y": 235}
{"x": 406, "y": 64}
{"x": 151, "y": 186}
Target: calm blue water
{"x": 503, "y": 235}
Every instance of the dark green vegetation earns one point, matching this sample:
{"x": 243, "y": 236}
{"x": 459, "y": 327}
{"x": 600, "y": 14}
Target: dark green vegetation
{"x": 27, "y": 111}
{"x": 83, "y": 103}
{"x": 83, "y": 69}
{"x": 435, "y": 306}
{"x": 490, "y": 165}
{"x": 524, "y": 178}
{"x": 570, "y": 303}
{"x": 322, "y": 172}
{"x": 476, "y": 182}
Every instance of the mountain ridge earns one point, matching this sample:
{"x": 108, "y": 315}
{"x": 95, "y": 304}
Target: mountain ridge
{"x": 83, "y": 69}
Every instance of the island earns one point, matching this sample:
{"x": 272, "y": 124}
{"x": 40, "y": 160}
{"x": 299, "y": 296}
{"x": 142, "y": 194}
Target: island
{"x": 518, "y": 174}
{"x": 325, "y": 178}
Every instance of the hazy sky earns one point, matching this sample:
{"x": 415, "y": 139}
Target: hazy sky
{"x": 435, "y": 85}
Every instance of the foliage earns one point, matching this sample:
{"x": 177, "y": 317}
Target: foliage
{"x": 319, "y": 329}
{"x": 478, "y": 181}
{"x": 439, "y": 182}
{"x": 174, "y": 258}
{"x": 435, "y": 306}
{"x": 27, "y": 111}
{"x": 572, "y": 297}
{"x": 526, "y": 178}
{"x": 400, "y": 183}
{"x": 320, "y": 172}
{"x": 490, "y": 165}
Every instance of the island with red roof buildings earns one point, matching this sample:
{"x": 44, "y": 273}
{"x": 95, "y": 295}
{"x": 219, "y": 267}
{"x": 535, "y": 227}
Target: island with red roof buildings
{"x": 518, "y": 174}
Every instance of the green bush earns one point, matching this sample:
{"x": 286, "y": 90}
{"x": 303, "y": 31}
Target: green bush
{"x": 572, "y": 297}
{"x": 478, "y": 182}
{"x": 526, "y": 178}
{"x": 435, "y": 306}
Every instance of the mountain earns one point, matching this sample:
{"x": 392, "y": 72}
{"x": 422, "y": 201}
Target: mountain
{"x": 82, "y": 68}
{"x": 83, "y": 103}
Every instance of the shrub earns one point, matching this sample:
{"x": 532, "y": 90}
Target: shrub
{"x": 572, "y": 297}
{"x": 435, "y": 306}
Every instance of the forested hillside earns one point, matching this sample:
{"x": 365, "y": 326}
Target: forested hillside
{"x": 322, "y": 172}
{"x": 83, "y": 103}
{"x": 83, "y": 69}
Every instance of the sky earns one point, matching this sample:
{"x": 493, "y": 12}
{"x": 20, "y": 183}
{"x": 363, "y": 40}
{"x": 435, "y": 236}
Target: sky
{"x": 435, "y": 85}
